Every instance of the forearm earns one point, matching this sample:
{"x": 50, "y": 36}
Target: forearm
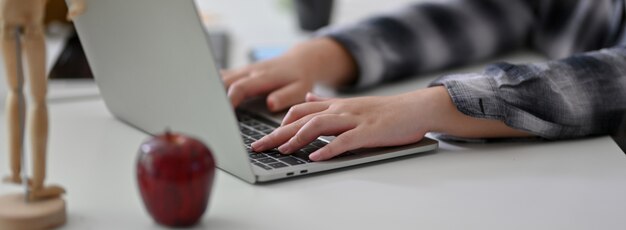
{"x": 430, "y": 36}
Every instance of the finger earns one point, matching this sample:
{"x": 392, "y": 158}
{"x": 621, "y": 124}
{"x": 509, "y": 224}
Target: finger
{"x": 345, "y": 142}
{"x": 253, "y": 86}
{"x": 321, "y": 125}
{"x": 280, "y": 135}
{"x": 287, "y": 96}
{"x": 296, "y": 112}
{"x": 311, "y": 97}
{"x": 231, "y": 76}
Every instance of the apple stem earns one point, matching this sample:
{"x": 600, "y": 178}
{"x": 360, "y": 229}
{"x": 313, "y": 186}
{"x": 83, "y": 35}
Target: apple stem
{"x": 168, "y": 133}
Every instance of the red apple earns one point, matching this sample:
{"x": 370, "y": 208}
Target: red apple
{"x": 175, "y": 175}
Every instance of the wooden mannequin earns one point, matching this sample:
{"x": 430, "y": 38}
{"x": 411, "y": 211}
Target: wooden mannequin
{"x": 25, "y": 18}
{"x": 21, "y": 26}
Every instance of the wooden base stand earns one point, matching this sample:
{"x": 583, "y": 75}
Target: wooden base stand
{"x": 16, "y": 214}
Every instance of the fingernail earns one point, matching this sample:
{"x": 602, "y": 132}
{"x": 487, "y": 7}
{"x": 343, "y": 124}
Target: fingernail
{"x": 272, "y": 105}
{"x": 257, "y": 145}
{"x": 315, "y": 156}
{"x": 284, "y": 149}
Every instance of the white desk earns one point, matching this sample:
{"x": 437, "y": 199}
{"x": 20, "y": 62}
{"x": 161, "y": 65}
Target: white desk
{"x": 578, "y": 184}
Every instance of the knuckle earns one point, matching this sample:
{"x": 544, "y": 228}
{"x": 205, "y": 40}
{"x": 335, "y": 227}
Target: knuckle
{"x": 276, "y": 133}
{"x": 294, "y": 110}
{"x": 339, "y": 107}
{"x": 316, "y": 121}
{"x": 299, "y": 108}
{"x": 258, "y": 73}
{"x": 236, "y": 86}
{"x": 298, "y": 139}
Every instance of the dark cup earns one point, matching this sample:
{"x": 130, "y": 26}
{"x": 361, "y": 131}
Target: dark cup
{"x": 313, "y": 14}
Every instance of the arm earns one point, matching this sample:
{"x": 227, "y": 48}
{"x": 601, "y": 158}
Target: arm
{"x": 432, "y": 36}
{"x": 423, "y": 37}
{"x": 573, "y": 97}
{"x": 578, "y": 96}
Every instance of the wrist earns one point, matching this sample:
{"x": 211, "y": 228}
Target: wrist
{"x": 433, "y": 106}
{"x": 443, "y": 112}
{"x": 323, "y": 60}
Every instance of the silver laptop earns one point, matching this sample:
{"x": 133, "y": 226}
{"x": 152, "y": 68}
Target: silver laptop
{"x": 153, "y": 65}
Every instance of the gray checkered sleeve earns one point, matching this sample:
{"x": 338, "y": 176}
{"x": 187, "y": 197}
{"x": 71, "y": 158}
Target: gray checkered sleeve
{"x": 580, "y": 93}
{"x": 577, "y": 96}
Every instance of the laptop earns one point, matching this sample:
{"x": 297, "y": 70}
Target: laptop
{"x": 152, "y": 62}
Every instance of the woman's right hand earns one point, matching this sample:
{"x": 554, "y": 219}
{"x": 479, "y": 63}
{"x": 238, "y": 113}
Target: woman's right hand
{"x": 283, "y": 79}
{"x": 287, "y": 79}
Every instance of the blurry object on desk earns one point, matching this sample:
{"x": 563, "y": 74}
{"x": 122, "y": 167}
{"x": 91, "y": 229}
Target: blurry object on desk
{"x": 73, "y": 64}
{"x": 218, "y": 37}
{"x": 220, "y": 44}
{"x": 56, "y": 11}
{"x": 39, "y": 205}
{"x": 313, "y": 14}
{"x": 261, "y": 53}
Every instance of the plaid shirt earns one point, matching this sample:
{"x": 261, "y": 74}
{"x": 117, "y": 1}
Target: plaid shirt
{"x": 581, "y": 92}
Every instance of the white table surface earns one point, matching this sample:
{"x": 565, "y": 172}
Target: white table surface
{"x": 576, "y": 184}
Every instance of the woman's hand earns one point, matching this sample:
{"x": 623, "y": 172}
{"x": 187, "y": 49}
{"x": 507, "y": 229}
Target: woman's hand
{"x": 284, "y": 79}
{"x": 357, "y": 122}
{"x": 375, "y": 122}
{"x": 288, "y": 78}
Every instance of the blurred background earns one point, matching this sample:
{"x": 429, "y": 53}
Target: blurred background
{"x": 240, "y": 31}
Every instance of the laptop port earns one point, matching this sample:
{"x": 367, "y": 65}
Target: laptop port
{"x": 304, "y": 171}
{"x": 290, "y": 174}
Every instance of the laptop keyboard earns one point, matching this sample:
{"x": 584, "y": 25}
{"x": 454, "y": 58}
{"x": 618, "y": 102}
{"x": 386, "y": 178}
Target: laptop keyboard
{"x": 253, "y": 128}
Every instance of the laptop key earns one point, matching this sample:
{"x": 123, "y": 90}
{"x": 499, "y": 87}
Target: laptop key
{"x": 277, "y": 165}
{"x": 274, "y": 154}
{"x": 310, "y": 149}
{"x": 249, "y": 132}
{"x": 257, "y": 136}
{"x": 251, "y": 122}
{"x": 302, "y": 155}
{"x": 264, "y": 129}
{"x": 263, "y": 166}
{"x": 257, "y": 156}
{"x": 267, "y": 160}
{"x": 292, "y": 160}
{"x": 318, "y": 143}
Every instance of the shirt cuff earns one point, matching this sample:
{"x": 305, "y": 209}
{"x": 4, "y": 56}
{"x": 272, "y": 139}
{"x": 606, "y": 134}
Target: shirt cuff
{"x": 474, "y": 95}
{"x": 479, "y": 96}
